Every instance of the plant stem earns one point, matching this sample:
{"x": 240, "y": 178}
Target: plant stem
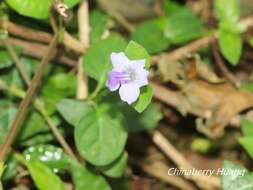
{"x": 96, "y": 91}
{"x": 84, "y": 33}
{"x": 25, "y": 103}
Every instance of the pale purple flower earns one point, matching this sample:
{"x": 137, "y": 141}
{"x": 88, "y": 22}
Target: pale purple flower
{"x": 128, "y": 76}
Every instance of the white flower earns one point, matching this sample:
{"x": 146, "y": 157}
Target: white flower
{"x": 128, "y": 76}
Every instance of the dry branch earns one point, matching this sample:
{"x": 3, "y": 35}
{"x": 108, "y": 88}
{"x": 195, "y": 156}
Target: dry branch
{"x": 40, "y": 36}
{"x": 173, "y": 154}
{"x": 37, "y": 50}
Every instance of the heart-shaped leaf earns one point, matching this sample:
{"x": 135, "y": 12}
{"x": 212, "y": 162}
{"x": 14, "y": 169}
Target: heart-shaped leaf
{"x": 99, "y": 138}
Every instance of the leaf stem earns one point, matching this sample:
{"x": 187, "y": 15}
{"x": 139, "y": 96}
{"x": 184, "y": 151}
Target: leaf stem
{"x": 96, "y": 91}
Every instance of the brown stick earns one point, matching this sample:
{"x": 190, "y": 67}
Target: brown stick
{"x": 190, "y": 48}
{"x": 160, "y": 171}
{"x": 22, "y": 111}
{"x": 37, "y": 50}
{"x": 77, "y": 46}
{"x": 198, "y": 44}
{"x": 41, "y": 36}
{"x": 26, "y": 33}
{"x": 171, "y": 98}
{"x": 204, "y": 182}
{"x": 49, "y": 121}
{"x": 165, "y": 95}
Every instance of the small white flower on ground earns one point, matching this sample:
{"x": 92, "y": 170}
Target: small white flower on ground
{"x": 128, "y": 76}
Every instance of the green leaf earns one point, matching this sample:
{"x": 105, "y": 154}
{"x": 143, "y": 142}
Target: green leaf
{"x": 57, "y": 87}
{"x": 247, "y": 143}
{"x": 171, "y": 7}
{"x": 97, "y": 58}
{"x": 147, "y": 120}
{"x": 50, "y": 155}
{"x": 71, "y": 3}
{"x": 86, "y": 179}
{"x": 247, "y": 127}
{"x": 11, "y": 75}
{"x": 7, "y": 115}
{"x": 33, "y": 125}
{"x": 2, "y": 167}
{"x": 250, "y": 40}
{"x": 72, "y": 110}
{"x": 227, "y": 10}
{"x": 11, "y": 168}
{"x": 117, "y": 168}
{"x": 151, "y": 37}
{"x": 34, "y": 8}
{"x": 136, "y": 51}
{"x": 98, "y": 21}
{"x": 5, "y": 59}
{"x": 236, "y": 177}
{"x": 43, "y": 177}
{"x": 144, "y": 99}
{"x": 230, "y": 45}
{"x": 183, "y": 26}
{"x": 31, "y": 8}
{"x": 132, "y": 120}
{"x": 247, "y": 86}
{"x": 39, "y": 138}
{"x": 99, "y": 138}
{"x": 232, "y": 27}
{"x": 60, "y": 85}
{"x": 30, "y": 64}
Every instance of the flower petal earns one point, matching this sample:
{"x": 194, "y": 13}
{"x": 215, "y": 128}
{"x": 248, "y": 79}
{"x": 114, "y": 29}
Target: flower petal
{"x": 129, "y": 92}
{"x": 112, "y": 85}
{"x": 119, "y": 61}
{"x": 140, "y": 64}
{"x": 141, "y": 77}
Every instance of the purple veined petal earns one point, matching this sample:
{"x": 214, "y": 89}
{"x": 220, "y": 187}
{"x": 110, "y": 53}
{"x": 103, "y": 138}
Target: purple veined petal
{"x": 119, "y": 61}
{"x": 112, "y": 83}
{"x": 112, "y": 86}
{"x": 115, "y": 78}
{"x": 129, "y": 92}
